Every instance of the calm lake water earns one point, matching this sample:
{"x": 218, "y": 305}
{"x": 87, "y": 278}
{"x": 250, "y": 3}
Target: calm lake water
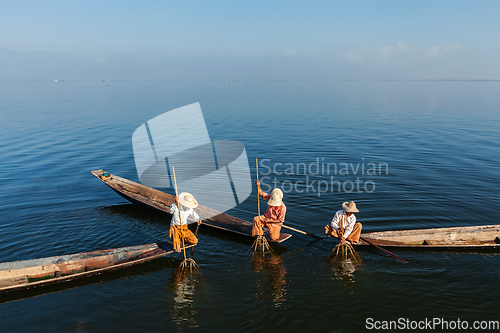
{"x": 437, "y": 144}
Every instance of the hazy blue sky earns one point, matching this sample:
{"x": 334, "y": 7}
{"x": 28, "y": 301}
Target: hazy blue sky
{"x": 249, "y": 40}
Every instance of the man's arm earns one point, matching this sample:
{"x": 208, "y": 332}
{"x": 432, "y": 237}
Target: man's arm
{"x": 350, "y": 227}
{"x": 264, "y": 195}
{"x": 173, "y": 209}
{"x": 196, "y": 217}
{"x": 258, "y": 189}
{"x": 335, "y": 221}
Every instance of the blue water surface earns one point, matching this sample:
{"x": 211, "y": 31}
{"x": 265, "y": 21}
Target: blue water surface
{"x": 434, "y": 144}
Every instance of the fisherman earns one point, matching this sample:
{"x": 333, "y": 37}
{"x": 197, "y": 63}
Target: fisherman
{"x": 179, "y": 229}
{"x": 275, "y": 214}
{"x": 344, "y": 226}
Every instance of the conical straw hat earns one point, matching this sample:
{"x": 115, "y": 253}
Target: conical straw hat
{"x": 187, "y": 200}
{"x": 350, "y": 207}
{"x": 279, "y": 192}
{"x": 275, "y": 199}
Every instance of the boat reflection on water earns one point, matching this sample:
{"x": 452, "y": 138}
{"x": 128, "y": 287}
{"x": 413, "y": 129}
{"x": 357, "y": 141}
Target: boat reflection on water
{"x": 183, "y": 286}
{"x": 276, "y": 282}
{"x": 344, "y": 267}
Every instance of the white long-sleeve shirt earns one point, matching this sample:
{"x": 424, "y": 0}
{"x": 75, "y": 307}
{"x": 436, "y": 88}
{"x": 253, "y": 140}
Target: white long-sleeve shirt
{"x": 185, "y": 213}
{"x": 340, "y": 219}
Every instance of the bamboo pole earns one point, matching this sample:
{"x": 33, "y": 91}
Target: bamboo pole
{"x": 260, "y": 242}
{"x": 179, "y": 209}
{"x": 185, "y": 262}
{"x": 258, "y": 196}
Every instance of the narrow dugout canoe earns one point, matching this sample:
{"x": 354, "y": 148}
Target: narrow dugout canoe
{"x": 475, "y": 237}
{"x": 159, "y": 202}
{"x": 28, "y": 274}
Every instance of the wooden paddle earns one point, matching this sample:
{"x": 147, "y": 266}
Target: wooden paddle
{"x": 198, "y": 224}
{"x": 303, "y": 232}
{"x": 363, "y": 239}
{"x": 383, "y": 250}
{"x": 197, "y": 227}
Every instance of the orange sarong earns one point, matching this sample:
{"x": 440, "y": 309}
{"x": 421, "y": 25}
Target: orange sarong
{"x": 175, "y": 235}
{"x": 259, "y": 222}
{"x": 353, "y": 237}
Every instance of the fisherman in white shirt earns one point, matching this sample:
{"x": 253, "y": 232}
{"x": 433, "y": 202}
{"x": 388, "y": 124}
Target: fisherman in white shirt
{"x": 178, "y": 228}
{"x": 344, "y": 226}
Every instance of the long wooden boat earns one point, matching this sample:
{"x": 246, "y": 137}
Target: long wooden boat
{"x": 159, "y": 202}
{"x": 28, "y": 274}
{"x": 474, "y": 237}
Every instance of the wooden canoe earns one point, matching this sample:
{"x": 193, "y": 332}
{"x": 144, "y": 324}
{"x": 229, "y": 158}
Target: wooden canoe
{"x": 28, "y": 274}
{"x": 475, "y": 237}
{"x": 159, "y": 202}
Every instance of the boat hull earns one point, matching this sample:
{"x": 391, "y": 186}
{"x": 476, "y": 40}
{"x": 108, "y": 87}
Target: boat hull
{"x": 159, "y": 202}
{"x": 29, "y": 274}
{"x": 465, "y": 238}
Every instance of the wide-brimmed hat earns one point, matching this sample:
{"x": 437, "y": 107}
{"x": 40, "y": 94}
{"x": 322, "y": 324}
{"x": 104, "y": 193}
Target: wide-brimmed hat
{"x": 278, "y": 191}
{"x": 187, "y": 200}
{"x": 276, "y": 196}
{"x": 350, "y": 207}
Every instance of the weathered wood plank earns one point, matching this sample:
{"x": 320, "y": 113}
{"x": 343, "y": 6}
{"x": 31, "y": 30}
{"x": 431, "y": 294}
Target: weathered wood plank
{"x": 15, "y": 279}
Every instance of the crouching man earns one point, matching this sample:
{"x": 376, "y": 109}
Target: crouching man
{"x": 274, "y": 217}
{"x": 344, "y": 226}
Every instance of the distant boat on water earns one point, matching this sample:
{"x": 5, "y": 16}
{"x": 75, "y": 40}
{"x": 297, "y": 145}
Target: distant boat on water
{"x": 104, "y": 80}
{"x": 58, "y": 80}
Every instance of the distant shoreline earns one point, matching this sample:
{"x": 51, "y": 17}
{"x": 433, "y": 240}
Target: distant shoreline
{"x": 263, "y": 80}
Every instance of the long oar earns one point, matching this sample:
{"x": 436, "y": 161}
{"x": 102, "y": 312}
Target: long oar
{"x": 363, "y": 239}
{"x": 384, "y": 250}
{"x": 198, "y": 225}
{"x": 303, "y": 232}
